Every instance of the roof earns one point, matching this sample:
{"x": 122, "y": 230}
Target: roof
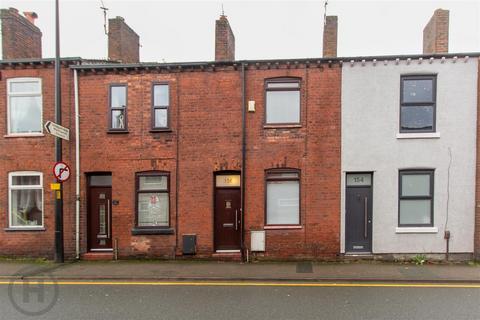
{"x": 109, "y": 65}
{"x": 269, "y": 62}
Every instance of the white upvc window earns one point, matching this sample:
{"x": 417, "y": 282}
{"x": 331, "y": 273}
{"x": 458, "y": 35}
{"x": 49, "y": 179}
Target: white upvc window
{"x": 24, "y": 111}
{"x": 25, "y": 199}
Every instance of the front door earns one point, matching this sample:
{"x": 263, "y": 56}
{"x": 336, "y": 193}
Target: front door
{"x": 358, "y": 217}
{"x": 227, "y": 219}
{"x": 99, "y": 218}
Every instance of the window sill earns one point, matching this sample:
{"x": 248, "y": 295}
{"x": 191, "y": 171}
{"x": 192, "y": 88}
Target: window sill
{"x": 416, "y": 230}
{"x": 23, "y": 229}
{"x": 152, "y": 231}
{"x": 281, "y": 126}
{"x": 419, "y": 135}
{"x": 160, "y": 130}
{"x": 117, "y": 132}
{"x": 280, "y": 227}
{"x": 24, "y": 135}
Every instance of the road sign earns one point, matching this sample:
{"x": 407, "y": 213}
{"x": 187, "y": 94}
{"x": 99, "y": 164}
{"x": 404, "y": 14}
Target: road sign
{"x": 61, "y": 171}
{"x": 57, "y": 130}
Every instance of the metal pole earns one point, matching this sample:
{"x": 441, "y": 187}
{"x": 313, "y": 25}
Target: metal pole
{"x": 58, "y": 143}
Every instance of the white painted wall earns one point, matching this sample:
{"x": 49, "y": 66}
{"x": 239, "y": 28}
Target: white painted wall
{"x": 370, "y": 124}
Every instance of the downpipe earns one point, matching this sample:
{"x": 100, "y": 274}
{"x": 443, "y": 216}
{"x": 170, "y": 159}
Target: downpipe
{"x": 77, "y": 167}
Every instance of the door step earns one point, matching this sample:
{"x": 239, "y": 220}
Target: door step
{"x": 358, "y": 256}
{"x": 97, "y": 256}
{"x": 227, "y": 256}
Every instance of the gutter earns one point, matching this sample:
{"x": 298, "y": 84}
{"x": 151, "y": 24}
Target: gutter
{"x": 77, "y": 167}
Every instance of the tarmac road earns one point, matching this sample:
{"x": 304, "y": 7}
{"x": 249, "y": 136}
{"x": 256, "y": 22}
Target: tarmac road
{"x": 255, "y": 300}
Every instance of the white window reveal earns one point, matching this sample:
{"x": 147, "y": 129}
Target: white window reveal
{"x": 25, "y": 199}
{"x": 24, "y": 106}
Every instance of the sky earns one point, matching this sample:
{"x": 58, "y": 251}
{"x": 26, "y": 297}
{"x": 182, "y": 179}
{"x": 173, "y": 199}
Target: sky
{"x": 180, "y": 31}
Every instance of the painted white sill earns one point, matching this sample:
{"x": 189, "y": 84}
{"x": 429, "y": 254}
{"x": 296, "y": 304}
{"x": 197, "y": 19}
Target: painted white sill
{"x": 416, "y": 230}
{"x": 25, "y": 229}
{"x": 25, "y": 135}
{"x": 419, "y": 135}
{"x": 280, "y": 227}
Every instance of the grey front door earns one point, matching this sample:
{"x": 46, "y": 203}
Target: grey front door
{"x": 358, "y": 213}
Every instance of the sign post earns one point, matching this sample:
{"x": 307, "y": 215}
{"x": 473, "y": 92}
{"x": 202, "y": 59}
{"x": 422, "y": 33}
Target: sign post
{"x": 59, "y": 254}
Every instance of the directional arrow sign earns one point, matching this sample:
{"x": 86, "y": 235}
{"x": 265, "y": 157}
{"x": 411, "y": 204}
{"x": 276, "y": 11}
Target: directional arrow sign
{"x": 57, "y": 130}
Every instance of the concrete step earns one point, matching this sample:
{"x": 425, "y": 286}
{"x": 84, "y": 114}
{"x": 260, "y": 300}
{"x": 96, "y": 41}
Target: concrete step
{"x": 97, "y": 256}
{"x": 227, "y": 256}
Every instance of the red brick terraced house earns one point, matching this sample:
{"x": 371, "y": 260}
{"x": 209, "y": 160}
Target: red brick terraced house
{"x": 225, "y": 159}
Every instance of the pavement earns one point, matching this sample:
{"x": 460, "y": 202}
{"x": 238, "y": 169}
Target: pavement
{"x": 158, "y": 270}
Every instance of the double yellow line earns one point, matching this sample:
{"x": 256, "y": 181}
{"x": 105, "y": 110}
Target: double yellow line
{"x": 242, "y": 284}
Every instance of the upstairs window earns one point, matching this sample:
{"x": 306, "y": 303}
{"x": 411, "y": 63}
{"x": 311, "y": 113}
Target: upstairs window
{"x": 283, "y": 197}
{"x": 153, "y": 199}
{"x": 417, "y": 104}
{"x": 160, "y": 106}
{"x": 25, "y": 199}
{"x": 118, "y": 108}
{"x": 416, "y": 198}
{"x": 24, "y": 106}
{"x": 282, "y": 101}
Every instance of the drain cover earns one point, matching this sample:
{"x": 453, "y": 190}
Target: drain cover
{"x": 304, "y": 267}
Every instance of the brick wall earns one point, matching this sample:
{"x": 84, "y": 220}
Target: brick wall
{"x": 20, "y": 38}
{"x": 206, "y": 117}
{"x": 37, "y": 154}
{"x": 123, "y": 42}
{"x": 435, "y": 33}
{"x": 224, "y": 40}
{"x": 330, "y": 36}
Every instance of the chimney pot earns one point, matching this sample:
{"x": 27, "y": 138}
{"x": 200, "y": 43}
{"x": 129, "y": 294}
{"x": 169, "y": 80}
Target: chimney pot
{"x": 435, "y": 33}
{"x": 31, "y": 16}
{"x": 330, "y": 31}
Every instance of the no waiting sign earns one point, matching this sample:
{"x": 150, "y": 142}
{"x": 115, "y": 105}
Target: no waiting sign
{"x": 61, "y": 171}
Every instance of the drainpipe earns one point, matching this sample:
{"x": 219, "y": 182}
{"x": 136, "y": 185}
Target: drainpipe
{"x": 77, "y": 167}
{"x": 244, "y": 119}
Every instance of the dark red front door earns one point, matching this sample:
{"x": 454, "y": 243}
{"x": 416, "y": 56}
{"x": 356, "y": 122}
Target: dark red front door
{"x": 100, "y": 218}
{"x": 227, "y": 219}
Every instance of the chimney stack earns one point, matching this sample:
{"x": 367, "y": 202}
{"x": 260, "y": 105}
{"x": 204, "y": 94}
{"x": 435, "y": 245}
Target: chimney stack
{"x": 224, "y": 40}
{"x": 21, "y": 39}
{"x": 123, "y": 42}
{"x": 330, "y": 36}
{"x": 435, "y": 33}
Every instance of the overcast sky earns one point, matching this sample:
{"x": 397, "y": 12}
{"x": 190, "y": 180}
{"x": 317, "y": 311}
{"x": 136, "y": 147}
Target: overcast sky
{"x": 175, "y": 31}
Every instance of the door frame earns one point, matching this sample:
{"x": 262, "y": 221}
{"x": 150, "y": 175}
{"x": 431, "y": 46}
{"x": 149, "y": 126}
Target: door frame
{"x": 214, "y": 196}
{"x": 87, "y": 210}
{"x": 371, "y": 205}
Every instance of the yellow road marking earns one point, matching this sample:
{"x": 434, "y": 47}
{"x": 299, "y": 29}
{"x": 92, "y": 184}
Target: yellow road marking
{"x": 241, "y": 284}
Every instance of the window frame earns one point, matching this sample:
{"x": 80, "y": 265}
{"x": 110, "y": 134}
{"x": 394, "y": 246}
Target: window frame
{"x": 28, "y": 187}
{"x": 160, "y": 107}
{"x": 267, "y": 89}
{"x": 433, "y": 103}
{"x": 110, "y": 109}
{"x": 431, "y": 173}
{"x": 24, "y": 94}
{"x": 138, "y": 191}
{"x": 267, "y": 179}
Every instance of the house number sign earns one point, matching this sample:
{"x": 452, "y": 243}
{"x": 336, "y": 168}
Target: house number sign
{"x": 232, "y": 180}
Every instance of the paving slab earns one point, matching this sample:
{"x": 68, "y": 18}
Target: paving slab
{"x": 199, "y": 270}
